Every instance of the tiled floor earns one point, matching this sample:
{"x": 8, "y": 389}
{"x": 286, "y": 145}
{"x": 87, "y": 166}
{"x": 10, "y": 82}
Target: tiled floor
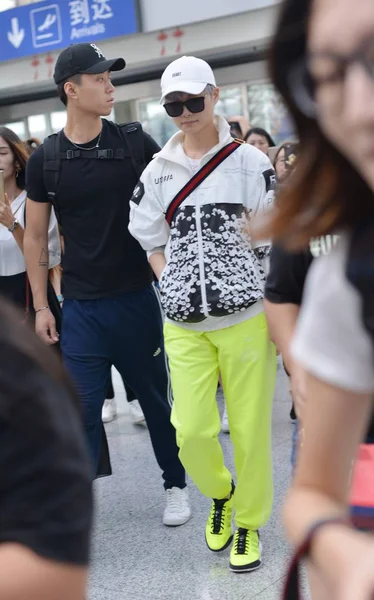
{"x": 136, "y": 557}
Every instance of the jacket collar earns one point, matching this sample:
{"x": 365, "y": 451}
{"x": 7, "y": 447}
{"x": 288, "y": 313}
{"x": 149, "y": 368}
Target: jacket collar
{"x": 173, "y": 149}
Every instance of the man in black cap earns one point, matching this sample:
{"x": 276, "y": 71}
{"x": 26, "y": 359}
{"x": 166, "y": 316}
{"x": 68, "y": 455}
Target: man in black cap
{"x": 111, "y": 313}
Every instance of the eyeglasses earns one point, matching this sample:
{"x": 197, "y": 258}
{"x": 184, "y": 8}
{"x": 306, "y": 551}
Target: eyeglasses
{"x": 327, "y": 70}
{"x": 193, "y": 105}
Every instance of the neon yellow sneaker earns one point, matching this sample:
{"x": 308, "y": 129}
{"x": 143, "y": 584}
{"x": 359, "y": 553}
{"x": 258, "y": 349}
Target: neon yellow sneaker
{"x": 218, "y": 530}
{"x": 246, "y": 551}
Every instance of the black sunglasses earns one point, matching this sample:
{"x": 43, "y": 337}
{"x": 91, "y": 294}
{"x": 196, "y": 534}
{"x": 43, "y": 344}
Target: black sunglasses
{"x": 194, "y": 105}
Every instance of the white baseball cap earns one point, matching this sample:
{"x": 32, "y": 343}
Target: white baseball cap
{"x": 186, "y": 74}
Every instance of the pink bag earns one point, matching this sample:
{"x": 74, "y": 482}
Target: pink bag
{"x": 362, "y": 489}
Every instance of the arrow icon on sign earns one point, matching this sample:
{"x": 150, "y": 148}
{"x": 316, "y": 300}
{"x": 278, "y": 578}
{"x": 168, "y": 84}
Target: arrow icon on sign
{"x": 17, "y": 35}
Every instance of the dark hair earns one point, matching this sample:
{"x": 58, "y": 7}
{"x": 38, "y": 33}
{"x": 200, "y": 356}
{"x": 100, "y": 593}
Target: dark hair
{"x": 326, "y": 190}
{"x": 19, "y": 152}
{"x": 260, "y": 131}
{"x": 60, "y": 87}
{"x": 290, "y": 147}
{"x": 31, "y": 373}
{"x": 32, "y": 144}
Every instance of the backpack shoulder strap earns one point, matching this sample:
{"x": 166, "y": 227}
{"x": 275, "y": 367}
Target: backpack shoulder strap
{"x": 134, "y": 137}
{"x": 52, "y": 168}
{"x": 52, "y": 164}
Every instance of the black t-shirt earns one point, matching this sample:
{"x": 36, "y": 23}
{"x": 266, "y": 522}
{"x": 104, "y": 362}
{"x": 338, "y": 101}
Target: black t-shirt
{"x": 45, "y": 472}
{"x": 101, "y": 257}
{"x": 287, "y": 274}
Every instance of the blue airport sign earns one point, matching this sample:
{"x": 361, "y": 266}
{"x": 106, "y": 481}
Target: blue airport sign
{"x": 55, "y": 24}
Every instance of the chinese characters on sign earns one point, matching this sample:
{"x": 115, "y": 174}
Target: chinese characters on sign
{"x": 102, "y": 10}
{"x": 89, "y": 14}
{"x": 79, "y": 12}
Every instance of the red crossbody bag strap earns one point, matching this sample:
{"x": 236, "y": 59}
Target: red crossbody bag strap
{"x": 200, "y": 176}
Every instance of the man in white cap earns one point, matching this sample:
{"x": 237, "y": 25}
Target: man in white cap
{"x": 190, "y": 213}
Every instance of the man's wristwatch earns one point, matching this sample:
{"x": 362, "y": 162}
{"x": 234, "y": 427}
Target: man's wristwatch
{"x": 14, "y": 226}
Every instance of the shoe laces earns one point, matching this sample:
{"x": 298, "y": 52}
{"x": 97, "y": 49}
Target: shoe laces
{"x": 243, "y": 540}
{"x": 218, "y": 515}
{"x": 176, "y": 500}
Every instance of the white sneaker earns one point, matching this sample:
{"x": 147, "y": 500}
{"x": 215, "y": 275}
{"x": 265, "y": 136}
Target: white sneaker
{"x": 109, "y": 411}
{"x": 225, "y": 422}
{"x": 136, "y": 413}
{"x": 177, "y": 511}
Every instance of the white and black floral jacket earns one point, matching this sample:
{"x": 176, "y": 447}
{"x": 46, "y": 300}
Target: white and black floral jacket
{"x": 212, "y": 267}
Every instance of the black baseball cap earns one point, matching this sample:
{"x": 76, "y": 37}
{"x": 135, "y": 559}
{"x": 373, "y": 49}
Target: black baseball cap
{"x": 84, "y": 58}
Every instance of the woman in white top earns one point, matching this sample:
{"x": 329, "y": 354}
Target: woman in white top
{"x": 323, "y": 66}
{"x": 13, "y": 158}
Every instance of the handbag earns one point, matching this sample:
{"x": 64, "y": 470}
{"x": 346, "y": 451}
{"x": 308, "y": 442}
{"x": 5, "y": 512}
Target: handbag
{"x": 362, "y": 489}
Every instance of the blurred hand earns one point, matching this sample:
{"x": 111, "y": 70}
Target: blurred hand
{"x": 358, "y": 581}
{"x": 6, "y": 214}
{"x": 45, "y": 327}
{"x": 347, "y": 573}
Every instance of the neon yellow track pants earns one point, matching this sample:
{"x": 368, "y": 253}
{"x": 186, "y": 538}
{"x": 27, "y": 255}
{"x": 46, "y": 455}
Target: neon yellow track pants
{"x": 245, "y": 358}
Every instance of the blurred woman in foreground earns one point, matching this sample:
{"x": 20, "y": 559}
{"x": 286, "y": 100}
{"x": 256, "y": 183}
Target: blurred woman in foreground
{"x": 323, "y": 66}
{"x": 45, "y": 472}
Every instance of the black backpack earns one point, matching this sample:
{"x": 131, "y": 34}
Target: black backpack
{"x": 133, "y": 136}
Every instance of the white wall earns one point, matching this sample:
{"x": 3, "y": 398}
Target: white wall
{"x": 161, "y": 14}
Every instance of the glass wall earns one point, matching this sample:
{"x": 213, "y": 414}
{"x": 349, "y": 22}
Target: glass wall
{"x": 37, "y": 126}
{"x": 231, "y": 102}
{"x": 266, "y": 110}
{"x": 58, "y": 120}
{"x": 19, "y": 128}
{"x": 256, "y": 101}
{"x": 155, "y": 120}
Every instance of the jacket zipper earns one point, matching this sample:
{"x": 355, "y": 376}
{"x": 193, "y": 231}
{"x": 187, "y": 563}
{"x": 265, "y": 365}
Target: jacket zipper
{"x": 201, "y": 257}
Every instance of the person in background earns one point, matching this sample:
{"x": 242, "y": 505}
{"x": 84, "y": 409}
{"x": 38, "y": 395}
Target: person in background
{"x": 109, "y": 412}
{"x": 283, "y": 296}
{"x": 284, "y": 291}
{"x": 284, "y": 160}
{"x": 285, "y": 280}
{"x": 13, "y": 279}
{"x": 259, "y": 138}
{"x": 46, "y": 497}
{"x": 32, "y": 144}
{"x": 238, "y": 126}
{"x": 325, "y": 76}
{"x": 212, "y": 287}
